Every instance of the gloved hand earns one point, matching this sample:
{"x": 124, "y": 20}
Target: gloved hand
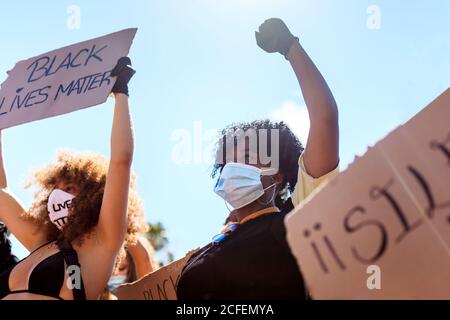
{"x": 274, "y": 36}
{"x": 124, "y": 72}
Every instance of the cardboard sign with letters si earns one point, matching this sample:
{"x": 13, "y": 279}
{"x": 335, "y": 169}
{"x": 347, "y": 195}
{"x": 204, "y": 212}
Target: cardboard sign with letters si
{"x": 386, "y": 218}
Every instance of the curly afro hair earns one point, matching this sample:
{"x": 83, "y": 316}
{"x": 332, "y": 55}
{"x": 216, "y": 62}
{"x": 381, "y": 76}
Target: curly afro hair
{"x": 88, "y": 171}
{"x": 289, "y": 146}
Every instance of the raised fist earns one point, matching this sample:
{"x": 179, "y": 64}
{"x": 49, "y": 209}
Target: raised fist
{"x": 124, "y": 72}
{"x": 274, "y": 36}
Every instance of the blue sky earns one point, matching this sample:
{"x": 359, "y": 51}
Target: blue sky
{"x": 198, "y": 65}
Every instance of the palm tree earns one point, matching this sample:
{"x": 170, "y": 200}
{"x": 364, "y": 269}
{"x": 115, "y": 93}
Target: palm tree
{"x": 156, "y": 234}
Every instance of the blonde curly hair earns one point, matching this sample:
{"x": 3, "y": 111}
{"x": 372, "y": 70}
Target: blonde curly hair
{"x": 88, "y": 171}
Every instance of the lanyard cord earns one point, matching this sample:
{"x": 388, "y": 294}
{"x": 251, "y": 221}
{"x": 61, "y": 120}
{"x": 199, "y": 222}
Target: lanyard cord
{"x": 246, "y": 219}
{"x": 259, "y": 213}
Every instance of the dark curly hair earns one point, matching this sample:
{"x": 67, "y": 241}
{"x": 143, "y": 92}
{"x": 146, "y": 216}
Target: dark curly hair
{"x": 290, "y": 148}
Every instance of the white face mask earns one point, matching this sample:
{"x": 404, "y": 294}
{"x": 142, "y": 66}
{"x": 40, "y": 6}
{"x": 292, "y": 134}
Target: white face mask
{"x": 58, "y": 206}
{"x": 240, "y": 184}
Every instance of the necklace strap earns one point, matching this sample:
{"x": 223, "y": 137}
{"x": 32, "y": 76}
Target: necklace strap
{"x": 259, "y": 213}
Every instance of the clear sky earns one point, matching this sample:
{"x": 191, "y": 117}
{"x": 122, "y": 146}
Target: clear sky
{"x": 199, "y": 69}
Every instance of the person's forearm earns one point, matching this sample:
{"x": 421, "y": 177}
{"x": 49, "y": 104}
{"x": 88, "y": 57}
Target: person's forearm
{"x": 143, "y": 264}
{"x": 122, "y": 141}
{"x": 318, "y": 97}
{"x": 112, "y": 224}
{"x": 322, "y": 149}
{"x": 3, "y": 181}
{"x": 143, "y": 256}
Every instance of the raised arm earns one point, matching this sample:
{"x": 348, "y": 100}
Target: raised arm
{"x": 322, "y": 149}
{"x": 112, "y": 225}
{"x": 143, "y": 256}
{"x": 321, "y": 154}
{"x": 11, "y": 213}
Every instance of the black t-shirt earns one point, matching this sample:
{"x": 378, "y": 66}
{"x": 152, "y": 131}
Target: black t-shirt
{"x": 254, "y": 262}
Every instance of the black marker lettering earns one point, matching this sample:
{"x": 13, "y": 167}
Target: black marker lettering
{"x": 162, "y": 291}
{"x": 353, "y": 228}
{"x": 93, "y": 54}
{"x": 441, "y": 146}
{"x": 426, "y": 189}
{"x": 333, "y": 252}
{"x": 38, "y": 65}
{"x": 75, "y": 57}
{"x": 319, "y": 257}
{"x": 382, "y": 192}
{"x": 329, "y": 245}
{"x": 1, "y": 105}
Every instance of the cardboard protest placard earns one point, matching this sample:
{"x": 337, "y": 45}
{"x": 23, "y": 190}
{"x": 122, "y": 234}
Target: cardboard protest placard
{"x": 63, "y": 80}
{"x": 381, "y": 228}
{"x": 158, "y": 285}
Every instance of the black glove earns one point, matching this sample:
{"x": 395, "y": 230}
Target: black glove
{"x": 124, "y": 72}
{"x": 274, "y": 36}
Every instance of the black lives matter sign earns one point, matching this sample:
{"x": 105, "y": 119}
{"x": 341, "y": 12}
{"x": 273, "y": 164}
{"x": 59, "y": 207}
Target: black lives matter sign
{"x": 63, "y": 80}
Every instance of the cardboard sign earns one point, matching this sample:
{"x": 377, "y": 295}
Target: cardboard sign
{"x": 158, "y": 285}
{"x": 381, "y": 229}
{"x": 63, "y": 80}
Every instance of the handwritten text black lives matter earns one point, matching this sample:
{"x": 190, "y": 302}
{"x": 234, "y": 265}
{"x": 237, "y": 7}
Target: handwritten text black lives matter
{"x": 46, "y": 66}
